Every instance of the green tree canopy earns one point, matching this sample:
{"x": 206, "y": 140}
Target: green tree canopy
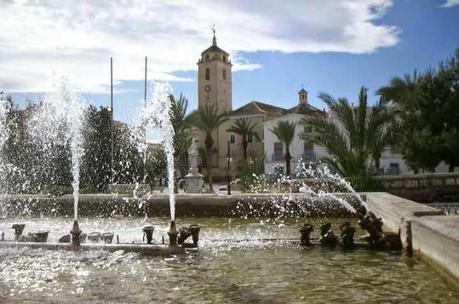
{"x": 427, "y": 107}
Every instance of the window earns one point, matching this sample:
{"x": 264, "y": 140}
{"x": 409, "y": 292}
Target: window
{"x": 394, "y": 168}
{"x": 224, "y": 74}
{"x": 249, "y": 138}
{"x": 232, "y": 138}
{"x": 278, "y": 151}
{"x": 308, "y": 151}
{"x": 207, "y": 74}
{"x": 224, "y": 59}
{"x": 207, "y": 57}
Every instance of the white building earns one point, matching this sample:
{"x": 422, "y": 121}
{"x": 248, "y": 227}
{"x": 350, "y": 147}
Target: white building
{"x": 299, "y": 150}
{"x": 391, "y": 162}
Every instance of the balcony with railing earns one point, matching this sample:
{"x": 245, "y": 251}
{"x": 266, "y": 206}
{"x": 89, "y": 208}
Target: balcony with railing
{"x": 307, "y": 157}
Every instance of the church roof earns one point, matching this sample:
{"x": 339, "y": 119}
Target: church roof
{"x": 304, "y": 108}
{"x": 257, "y": 107}
{"x": 214, "y": 48}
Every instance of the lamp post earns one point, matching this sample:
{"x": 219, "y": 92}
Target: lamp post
{"x": 228, "y": 167}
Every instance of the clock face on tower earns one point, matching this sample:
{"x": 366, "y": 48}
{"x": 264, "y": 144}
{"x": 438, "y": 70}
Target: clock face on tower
{"x": 207, "y": 88}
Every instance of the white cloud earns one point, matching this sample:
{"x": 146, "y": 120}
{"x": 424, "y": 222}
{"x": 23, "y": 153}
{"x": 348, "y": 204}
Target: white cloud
{"x": 76, "y": 38}
{"x": 450, "y": 3}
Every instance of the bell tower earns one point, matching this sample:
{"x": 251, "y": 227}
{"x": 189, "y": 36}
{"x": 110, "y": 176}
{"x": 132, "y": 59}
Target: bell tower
{"x": 214, "y": 78}
{"x": 303, "y": 96}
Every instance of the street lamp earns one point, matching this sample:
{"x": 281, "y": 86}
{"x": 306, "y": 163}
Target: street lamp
{"x": 228, "y": 168}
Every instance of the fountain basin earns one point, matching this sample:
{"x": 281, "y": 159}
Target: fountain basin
{"x": 144, "y": 249}
{"x": 239, "y": 260}
{"x": 186, "y": 205}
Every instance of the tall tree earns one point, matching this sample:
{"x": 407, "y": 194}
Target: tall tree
{"x": 427, "y": 107}
{"x": 207, "y": 119}
{"x": 95, "y": 164}
{"x": 246, "y": 129}
{"x": 156, "y": 165}
{"x": 285, "y": 132}
{"x": 354, "y": 136}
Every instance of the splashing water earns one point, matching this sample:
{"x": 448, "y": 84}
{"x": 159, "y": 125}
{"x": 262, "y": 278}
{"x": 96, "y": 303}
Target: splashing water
{"x": 156, "y": 114}
{"x": 59, "y": 120}
{"x": 322, "y": 172}
{"x": 318, "y": 193}
{"x": 4, "y": 108}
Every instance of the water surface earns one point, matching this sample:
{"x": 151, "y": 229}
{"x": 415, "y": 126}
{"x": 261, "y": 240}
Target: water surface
{"x": 233, "y": 265}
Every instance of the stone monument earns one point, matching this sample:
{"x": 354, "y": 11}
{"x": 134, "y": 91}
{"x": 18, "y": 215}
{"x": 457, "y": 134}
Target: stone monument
{"x": 193, "y": 178}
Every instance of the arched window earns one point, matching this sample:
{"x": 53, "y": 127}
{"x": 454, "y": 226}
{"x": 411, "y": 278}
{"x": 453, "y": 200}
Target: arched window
{"x": 207, "y": 74}
{"x": 224, "y": 59}
{"x": 207, "y": 57}
{"x": 224, "y": 73}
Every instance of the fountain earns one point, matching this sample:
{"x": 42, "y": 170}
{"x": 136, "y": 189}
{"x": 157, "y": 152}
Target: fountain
{"x": 60, "y": 119}
{"x": 155, "y": 114}
{"x": 227, "y": 247}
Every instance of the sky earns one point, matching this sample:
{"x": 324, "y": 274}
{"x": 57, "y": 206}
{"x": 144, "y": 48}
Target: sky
{"x": 276, "y": 47}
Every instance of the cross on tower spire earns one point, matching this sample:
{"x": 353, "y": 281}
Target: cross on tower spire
{"x": 214, "y": 40}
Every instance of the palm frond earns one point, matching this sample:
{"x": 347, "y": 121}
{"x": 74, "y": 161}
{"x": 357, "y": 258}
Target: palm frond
{"x": 285, "y": 131}
{"x": 354, "y": 136}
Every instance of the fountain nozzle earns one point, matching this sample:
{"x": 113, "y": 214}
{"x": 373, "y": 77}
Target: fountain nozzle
{"x": 305, "y": 231}
{"x": 184, "y": 233}
{"x": 173, "y": 233}
{"x": 347, "y": 234}
{"x": 76, "y": 235}
{"x": 195, "y": 229}
{"x": 373, "y": 224}
{"x": 18, "y": 229}
{"x": 148, "y": 233}
{"x": 327, "y": 236}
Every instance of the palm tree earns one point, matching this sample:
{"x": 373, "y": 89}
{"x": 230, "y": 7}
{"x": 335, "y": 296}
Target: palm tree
{"x": 207, "y": 119}
{"x": 245, "y": 129}
{"x": 355, "y": 138}
{"x": 285, "y": 132}
{"x": 181, "y": 124}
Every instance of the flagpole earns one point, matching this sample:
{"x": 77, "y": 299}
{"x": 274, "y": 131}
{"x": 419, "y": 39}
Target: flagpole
{"x": 111, "y": 121}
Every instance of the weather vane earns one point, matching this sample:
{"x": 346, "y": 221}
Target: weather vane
{"x": 213, "y": 29}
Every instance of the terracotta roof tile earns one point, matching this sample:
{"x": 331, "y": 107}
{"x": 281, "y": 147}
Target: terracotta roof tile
{"x": 256, "y": 107}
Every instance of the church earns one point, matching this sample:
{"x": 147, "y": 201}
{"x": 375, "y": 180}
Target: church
{"x": 214, "y": 83}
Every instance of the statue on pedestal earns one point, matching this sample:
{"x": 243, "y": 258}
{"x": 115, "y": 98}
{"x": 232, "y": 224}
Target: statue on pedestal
{"x": 193, "y": 178}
